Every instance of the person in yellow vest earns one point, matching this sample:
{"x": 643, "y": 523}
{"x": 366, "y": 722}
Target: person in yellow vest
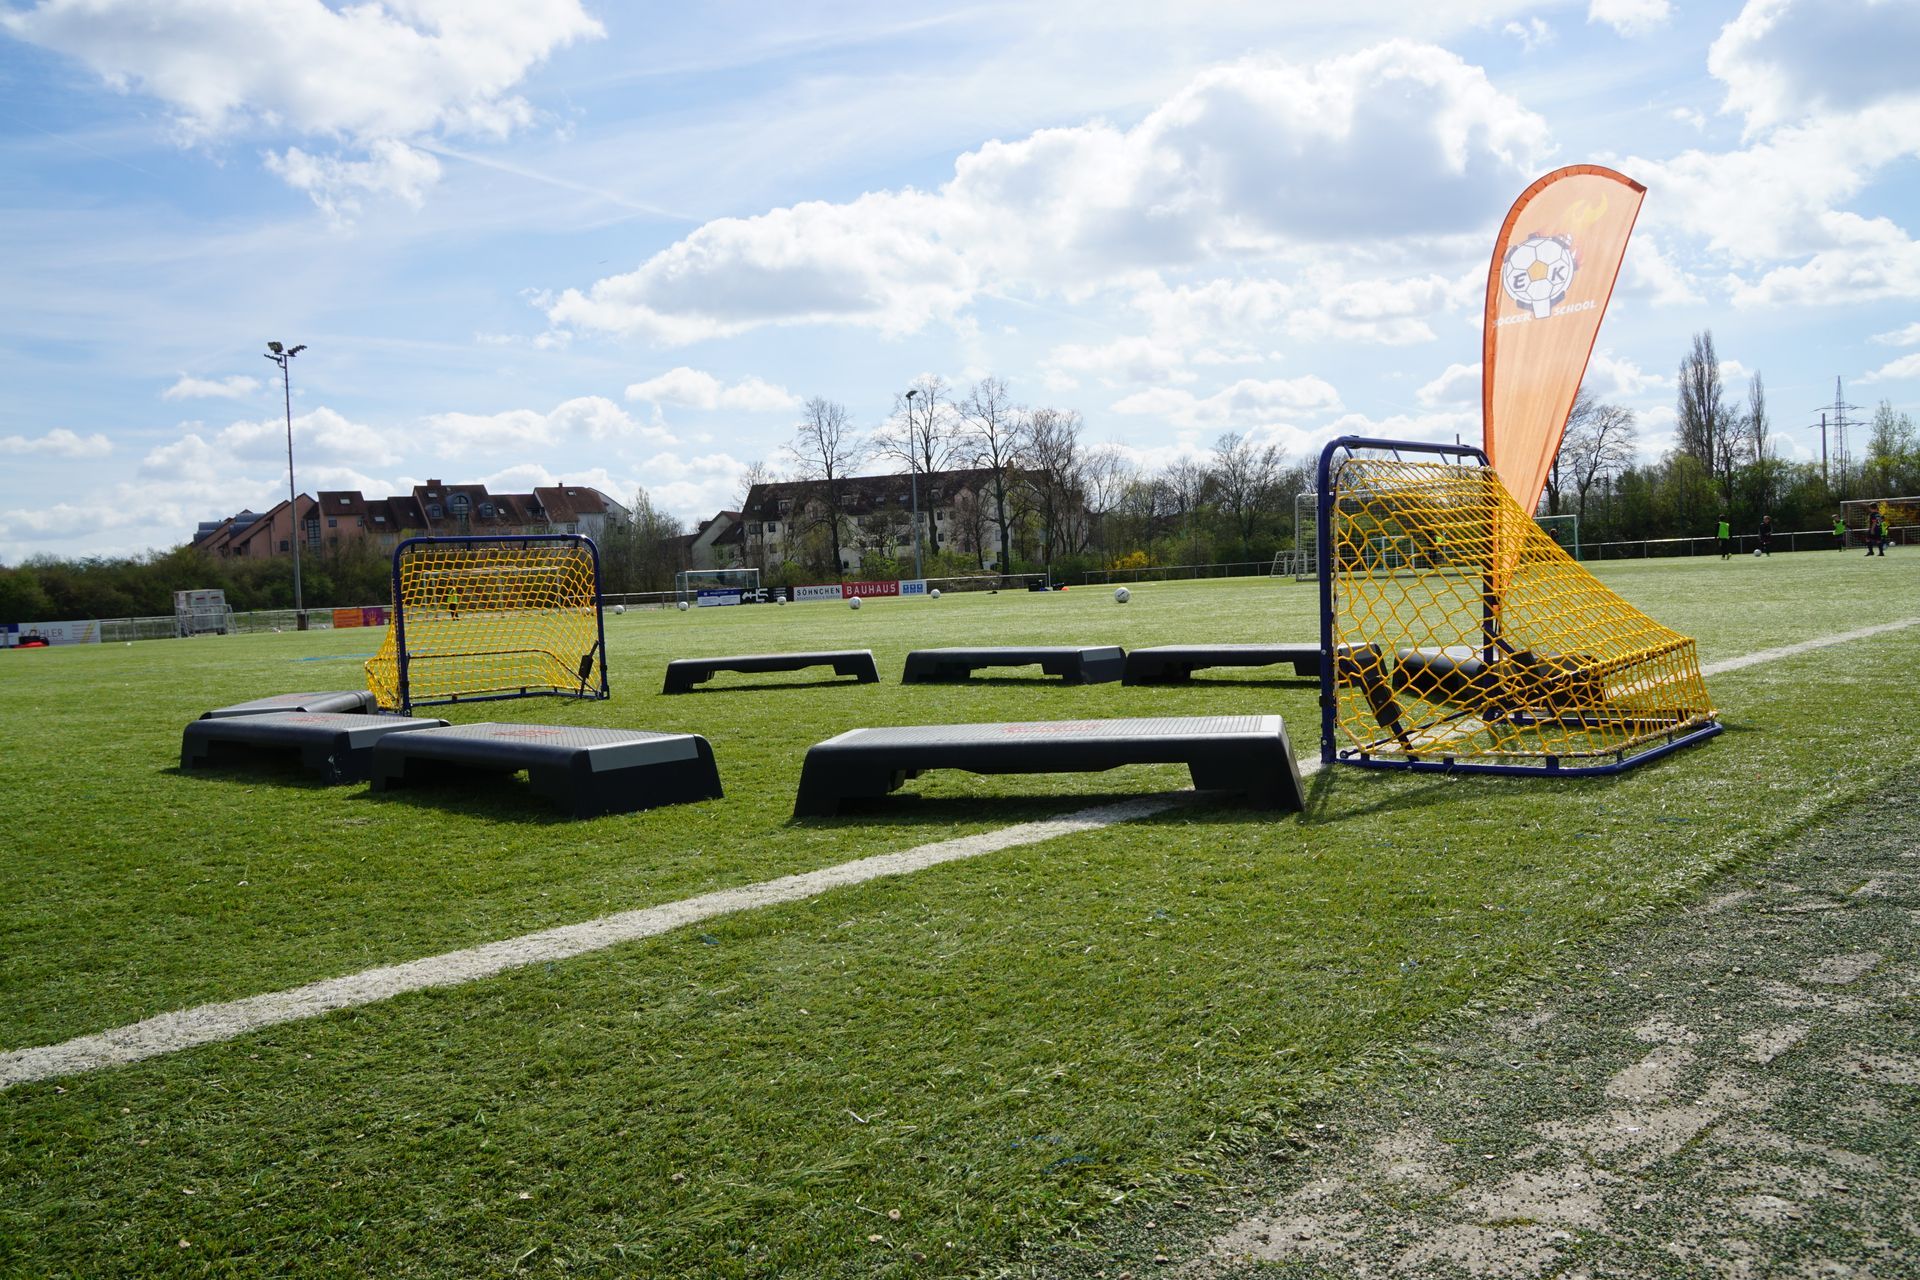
{"x": 1726, "y": 538}
{"x": 1840, "y": 533}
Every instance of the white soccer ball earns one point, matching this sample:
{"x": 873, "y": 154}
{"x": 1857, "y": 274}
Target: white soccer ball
{"x": 619, "y": 608}
{"x": 1537, "y": 271}
{"x": 780, "y": 600}
{"x": 682, "y": 606}
{"x": 853, "y": 602}
{"x": 1756, "y": 551}
{"x": 1121, "y": 595}
{"x": 935, "y": 593}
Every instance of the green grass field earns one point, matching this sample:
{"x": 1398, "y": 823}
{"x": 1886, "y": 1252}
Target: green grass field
{"x": 931, "y": 1074}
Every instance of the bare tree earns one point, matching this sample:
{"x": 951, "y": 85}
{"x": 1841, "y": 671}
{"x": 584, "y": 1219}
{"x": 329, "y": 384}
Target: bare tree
{"x": 1054, "y": 473}
{"x": 992, "y": 436}
{"x": 1710, "y": 429}
{"x": 920, "y": 435}
{"x": 1148, "y": 505}
{"x": 1185, "y": 483}
{"x": 1758, "y": 430}
{"x": 642, "y": 553}
{"x": 1245, "y": 475}
{"x": 1105, "y": 475}
{"x": 1599, "y": 444}
{"x": 825, "y": 450}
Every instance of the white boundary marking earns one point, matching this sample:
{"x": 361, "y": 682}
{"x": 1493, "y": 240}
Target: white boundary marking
{"x": 212, "y": 1023}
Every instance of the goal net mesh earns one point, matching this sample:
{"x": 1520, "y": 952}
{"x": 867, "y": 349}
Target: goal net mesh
{"x": 1463, "y": 633}
{"x": 479, "y": 618}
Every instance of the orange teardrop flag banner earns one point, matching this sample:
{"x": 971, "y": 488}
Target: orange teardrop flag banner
{"x": 1553, "y": 270}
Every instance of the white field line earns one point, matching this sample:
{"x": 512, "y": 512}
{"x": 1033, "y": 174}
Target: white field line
{"x": 212, "y": 1023}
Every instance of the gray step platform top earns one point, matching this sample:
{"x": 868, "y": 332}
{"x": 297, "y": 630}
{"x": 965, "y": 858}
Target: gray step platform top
{"x": 586, "y": 771}
{"x": 336, "y": 745}
{"x": 1171, "y": 663}
{"x": 684, "y": 673}
{"x": 348, "y": 701}
{"x": 1247, "y": 754}
{"x": 1075, "y": 663}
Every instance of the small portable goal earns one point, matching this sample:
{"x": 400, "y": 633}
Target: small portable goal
{"x": 476, "y": 619}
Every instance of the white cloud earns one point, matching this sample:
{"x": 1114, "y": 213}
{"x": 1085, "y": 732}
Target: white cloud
{"x": 59, "y": 443}
{"x": 1135, "y": 359}
{"x": 1247, "y": 403}
{"x": 1390, "y": 312}
{"x": 1072, "y": 210}
{"x": 1651, "y": 274}
{"x": 1689, "y": 117}
{"x": 1459, "y": 384}
{"x": 1631, "y": 17}
{"x": 1784, "y": 60}
{"x": 319, "y": 436}
{"x": 1871, "y": 259}
{"x": 697, "y": 389}
{"x": 363, "y": 71}
{"x": 235, "y": 387}
{"x": 1611, "y": 377}
{"x": 1907, "y": 337}
{"x": 593, "y": 418}
{"x": 1904, "y": 367}
{"x": 372, "y": 74}
{"x": 335, "y": 185}
{"x": 1531, "y": 34}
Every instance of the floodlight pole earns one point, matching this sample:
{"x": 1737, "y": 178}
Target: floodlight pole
{"x": 913, "y": 472}
{"x": 283, "y": 355}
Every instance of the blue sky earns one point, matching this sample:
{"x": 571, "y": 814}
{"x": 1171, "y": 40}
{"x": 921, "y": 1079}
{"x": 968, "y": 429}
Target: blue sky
{"x": 619, "y": 244}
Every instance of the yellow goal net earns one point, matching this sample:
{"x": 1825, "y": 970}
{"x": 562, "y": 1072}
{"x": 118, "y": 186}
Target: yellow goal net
{"x": 481, "y": 618}
{"x": 1463, "y": 636}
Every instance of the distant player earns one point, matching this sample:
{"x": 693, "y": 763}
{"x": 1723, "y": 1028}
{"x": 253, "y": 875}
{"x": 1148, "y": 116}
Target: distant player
{"x": 1876, "y": 533}
{"x": 1726, "y": 538}
{"x": 1839, "y": 533}
{"x": 1766, "y": 535}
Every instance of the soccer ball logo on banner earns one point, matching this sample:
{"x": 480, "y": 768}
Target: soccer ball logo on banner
{"x": 1537, "y": 272}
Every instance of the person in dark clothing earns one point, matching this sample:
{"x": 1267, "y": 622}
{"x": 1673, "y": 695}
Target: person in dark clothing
{"x": 1766, "y": 535}
{"x": 1876, "y": 533}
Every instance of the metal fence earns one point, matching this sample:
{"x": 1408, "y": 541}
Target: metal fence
{"x": 1743, "y": 544}
{"x": 1173, "y": 572}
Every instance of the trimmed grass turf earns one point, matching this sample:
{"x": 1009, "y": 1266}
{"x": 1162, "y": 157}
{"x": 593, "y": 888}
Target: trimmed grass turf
{"x": 996, "y": 1049}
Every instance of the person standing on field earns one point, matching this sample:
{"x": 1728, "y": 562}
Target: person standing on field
{"x": 1726, "y": 538}
{"x": 1876, "y": 534}
{"x": 1766, "y": 535}
{"x": 1840, "y": 533}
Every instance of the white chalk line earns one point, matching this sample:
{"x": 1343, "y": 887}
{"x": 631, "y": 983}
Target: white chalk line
{"x": 227, "y": 1020}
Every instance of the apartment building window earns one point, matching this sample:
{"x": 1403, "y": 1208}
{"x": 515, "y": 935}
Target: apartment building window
{"x": 332, "y": 523}
{"x": 459, "y": 503}
{"x": 433, "y": 511}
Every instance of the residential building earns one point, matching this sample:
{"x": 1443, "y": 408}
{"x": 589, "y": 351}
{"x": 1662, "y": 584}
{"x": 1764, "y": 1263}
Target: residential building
{"x": 956, "y": 514}
{"x": 433, "y": 509}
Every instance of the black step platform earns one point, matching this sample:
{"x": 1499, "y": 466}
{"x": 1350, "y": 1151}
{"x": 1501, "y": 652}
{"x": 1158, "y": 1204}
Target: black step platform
{"x": 587, "y": 772}
{"x": 1176, "y": 663}
{"x": 1247, "y": 754}
{"x": 1074, "y": 664}
{"x": 684, "y": 673}
{"x": 345, "y": 702}
{"x": 336, "y": 745}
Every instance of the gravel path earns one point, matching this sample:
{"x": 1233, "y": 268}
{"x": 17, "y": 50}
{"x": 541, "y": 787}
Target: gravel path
{"x": 1737, "y": 1094}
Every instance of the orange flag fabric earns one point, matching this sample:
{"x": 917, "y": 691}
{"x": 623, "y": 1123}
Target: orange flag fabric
{"x": 1553, "y": 271}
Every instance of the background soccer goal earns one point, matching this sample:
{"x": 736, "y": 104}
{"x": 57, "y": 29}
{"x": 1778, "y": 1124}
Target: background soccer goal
{"x": 743, "y": 584}
{"x": 482, "y": 618}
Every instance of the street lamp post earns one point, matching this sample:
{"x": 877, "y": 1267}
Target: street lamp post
{"x": 913, "y": 473}
{"x": 283, "y": 355}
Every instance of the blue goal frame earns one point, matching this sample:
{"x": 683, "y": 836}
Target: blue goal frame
{"x": 1330, "y": 750}
{"x": 599, "y": 651}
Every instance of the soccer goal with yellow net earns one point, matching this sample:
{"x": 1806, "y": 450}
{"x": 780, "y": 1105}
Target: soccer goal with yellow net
{"x": 1464, "y": 638}
{"x": 501, "y": 617}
